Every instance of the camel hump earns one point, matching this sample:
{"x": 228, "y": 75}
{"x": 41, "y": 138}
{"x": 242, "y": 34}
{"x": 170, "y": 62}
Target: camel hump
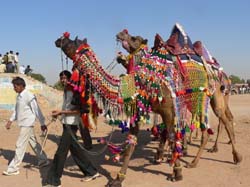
{"x": 179, "y": 42}
{"x": 159, "y": 42}
{"x": 198, "y": 48}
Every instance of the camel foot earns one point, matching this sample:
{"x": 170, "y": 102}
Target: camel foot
{"x": 184, "y": 152}
{"x": 214, "y": 149}
{"x": 114, "y": 183}
{"x": 176, "y": 176}
{"x": 191, "y": 165}
{"x": 237, "y": 157}
{"x": 158, "y": 161}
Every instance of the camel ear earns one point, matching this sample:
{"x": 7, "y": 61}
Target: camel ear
{"x": 84, "y": 40}
{"x": 77, "y": 42}
{"x": 145, "y": 41}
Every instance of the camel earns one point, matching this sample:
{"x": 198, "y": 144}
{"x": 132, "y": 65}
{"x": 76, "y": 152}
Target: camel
{"x": 220, "y": 77}
{"x": 85, "y": 65}
{"x": 219, "y": 102}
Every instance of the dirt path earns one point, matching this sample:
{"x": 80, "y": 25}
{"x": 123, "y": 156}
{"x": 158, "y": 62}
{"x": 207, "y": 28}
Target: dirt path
{"x": 214, "y": 169}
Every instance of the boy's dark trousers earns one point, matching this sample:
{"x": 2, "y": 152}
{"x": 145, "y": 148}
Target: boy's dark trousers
{"x": 67, "y": 143}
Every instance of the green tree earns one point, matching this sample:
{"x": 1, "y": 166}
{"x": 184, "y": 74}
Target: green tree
{"x": 248, "y": 82}
{"x": 38, "y": 77}
{"x": 235, "y": 79}
{"x": 58, "y": 85}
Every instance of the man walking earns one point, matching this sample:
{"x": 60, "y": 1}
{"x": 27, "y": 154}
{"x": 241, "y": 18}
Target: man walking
{"x": 70, "y": 114}
{"x": 26, "y": 111}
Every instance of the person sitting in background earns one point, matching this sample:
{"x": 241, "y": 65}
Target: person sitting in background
{"x": 16, "y": 62}
{"x": 28, "y": 70}
{"x": 1, "y": 59}
{"x": 2, "y": 65}
{"x": 22, "y": 69}
{"x": 2, "y": 68}
{"x": 5, "y": 58}
{"x": 11, "y": 62}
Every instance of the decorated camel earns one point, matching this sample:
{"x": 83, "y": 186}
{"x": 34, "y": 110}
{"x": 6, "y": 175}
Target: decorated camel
{"x": 169, "y": 88}
{"x": 164, "y": 51}
{"x": 215, "y": 73}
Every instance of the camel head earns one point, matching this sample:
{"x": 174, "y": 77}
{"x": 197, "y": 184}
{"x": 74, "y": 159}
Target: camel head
{"x": 69, "y": 46}
{"x": 130, "y": 43}
{"x": 159, "y": 42}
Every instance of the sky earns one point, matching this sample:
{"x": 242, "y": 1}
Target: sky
{"x": 31, "y": 27}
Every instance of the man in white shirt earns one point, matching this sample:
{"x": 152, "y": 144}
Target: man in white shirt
{"x": 25, "y": 113}
{"x": 22, "y": 69}
{"x": 70, "y": 114}
{"x": 16, "y": 62}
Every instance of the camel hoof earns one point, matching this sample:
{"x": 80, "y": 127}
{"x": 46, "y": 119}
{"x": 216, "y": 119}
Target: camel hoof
{"x": 237, "y": 158}
{"x": 114, "y": 183}
{"x": 214, "y": 149}
{"x": 184, "y": 152}
{"x": 174, "y": 179}
{"x": 191, "y": 165}
{"x": 158, "y": 161}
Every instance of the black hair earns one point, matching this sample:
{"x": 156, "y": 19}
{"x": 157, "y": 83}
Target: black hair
{"x": 18, "y": 81}
{"x": 66, "y": 73}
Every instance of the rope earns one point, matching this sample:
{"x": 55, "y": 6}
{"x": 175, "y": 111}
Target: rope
{"x": 93, "y": 153}
{"x": 114, "y": 62}
{"x": 62, "y": 55}
{"x": 46, "y": 134}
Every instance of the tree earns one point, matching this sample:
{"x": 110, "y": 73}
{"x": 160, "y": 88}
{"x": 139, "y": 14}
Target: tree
{"x": 58, "y": 85}
{"x": 248, "y": 82}
{"x": 235, "y": 79}
{"x": 38, "y": 77}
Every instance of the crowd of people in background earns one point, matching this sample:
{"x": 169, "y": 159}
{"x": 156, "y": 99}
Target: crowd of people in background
{"x": 9, "y": 63}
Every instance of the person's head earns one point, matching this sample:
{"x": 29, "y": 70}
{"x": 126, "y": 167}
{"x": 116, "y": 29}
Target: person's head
{"x": 17, "y": 53}
{"x": 65, "y": 76}
{"x": 18, "y": 84}
{"x": 11, "y": 52}
{"x": 28, "y": 66}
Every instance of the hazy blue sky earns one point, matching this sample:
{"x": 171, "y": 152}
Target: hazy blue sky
{"x": 31, "y": 27}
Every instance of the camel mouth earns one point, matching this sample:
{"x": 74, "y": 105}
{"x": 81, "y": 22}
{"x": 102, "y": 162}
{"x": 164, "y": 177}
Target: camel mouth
{"x": 58, "y": 43}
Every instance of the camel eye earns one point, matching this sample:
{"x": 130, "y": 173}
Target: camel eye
{"x": 133, "y": 38}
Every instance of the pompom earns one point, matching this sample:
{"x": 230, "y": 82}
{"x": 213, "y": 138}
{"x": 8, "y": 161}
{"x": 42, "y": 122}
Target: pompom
{"x": 66, "y": 35}
{"x": 125, "y": 31}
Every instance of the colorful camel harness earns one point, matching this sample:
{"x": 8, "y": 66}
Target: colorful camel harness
{"x": 135, "y": 93}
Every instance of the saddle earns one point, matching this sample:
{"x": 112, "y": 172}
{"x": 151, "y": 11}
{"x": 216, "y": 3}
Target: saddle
{"x": 179, "y": 42}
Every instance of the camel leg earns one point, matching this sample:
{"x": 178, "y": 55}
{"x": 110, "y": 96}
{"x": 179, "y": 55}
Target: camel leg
{"x": 230, "y": 117}
{"x": 204, "y": 141}
{"x": 177, "y": 172}
{"x": 236, "y": 156}
{"x": 127, "y": 155}
{"x": 190, "y": 137}
{"x": 185, "y": 146}
{"x": 224, "y": 114}
{"x": 196, "y": 133}
{"x": 168, "y": 118}
{"x": 160, "y": 151}
{"x": 214, "y": 149}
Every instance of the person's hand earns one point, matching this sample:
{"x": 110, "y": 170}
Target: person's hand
{"x": 56, "y": 113}
{"x": 8, "y": 124}
{"x": 44, "y": 128}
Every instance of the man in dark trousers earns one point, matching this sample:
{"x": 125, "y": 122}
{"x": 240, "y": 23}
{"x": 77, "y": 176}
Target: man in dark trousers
{"x": 70, "y": 117}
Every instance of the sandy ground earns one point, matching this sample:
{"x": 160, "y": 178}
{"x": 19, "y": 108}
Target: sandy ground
{"x": 214, "y": 169}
